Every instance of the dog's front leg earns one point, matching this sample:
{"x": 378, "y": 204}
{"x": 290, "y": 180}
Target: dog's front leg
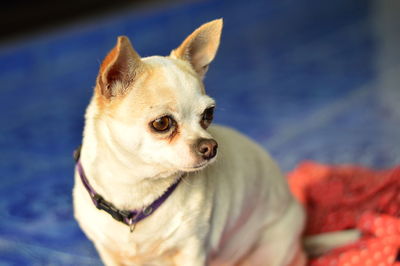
{"x": 108, "y": 257}
{"x": 192, "y": 253}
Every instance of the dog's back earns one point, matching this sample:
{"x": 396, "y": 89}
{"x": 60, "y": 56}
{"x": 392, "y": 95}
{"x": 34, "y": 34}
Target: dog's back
{"x": 251, "y": 204}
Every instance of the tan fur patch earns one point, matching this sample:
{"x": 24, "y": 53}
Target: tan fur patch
{"x": 147, "y": 90}
{"x": 109, "y": 59}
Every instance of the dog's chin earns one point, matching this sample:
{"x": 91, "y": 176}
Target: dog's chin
{"x": 185, "y": 169}
{"x": 197, "y": 167}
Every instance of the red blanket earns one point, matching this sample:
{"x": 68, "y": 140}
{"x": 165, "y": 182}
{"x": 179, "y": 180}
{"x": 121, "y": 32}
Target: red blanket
{"x": 344, "y": 197}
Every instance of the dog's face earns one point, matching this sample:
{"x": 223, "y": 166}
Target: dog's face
{"x": 155, "y": 109}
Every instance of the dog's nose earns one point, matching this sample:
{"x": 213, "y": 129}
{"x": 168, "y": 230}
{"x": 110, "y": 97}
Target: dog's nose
{"x": 207, "y": 148}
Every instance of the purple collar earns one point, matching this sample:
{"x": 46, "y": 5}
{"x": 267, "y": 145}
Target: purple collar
{"x": 128, "y": 217}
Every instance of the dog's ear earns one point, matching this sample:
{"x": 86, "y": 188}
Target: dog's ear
{"x": 200, "y": 47}
{"x": 119, "y": 69}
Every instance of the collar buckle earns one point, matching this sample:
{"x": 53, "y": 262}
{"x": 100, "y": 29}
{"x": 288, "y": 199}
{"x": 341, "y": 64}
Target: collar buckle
{"x": 118, "y": 215}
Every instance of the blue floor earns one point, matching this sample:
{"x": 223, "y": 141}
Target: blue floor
{"x": 307, "y": 79}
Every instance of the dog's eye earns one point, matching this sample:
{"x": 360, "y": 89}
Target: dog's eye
{"x": 162, "y": 124}
{"x": 207, "y": 117}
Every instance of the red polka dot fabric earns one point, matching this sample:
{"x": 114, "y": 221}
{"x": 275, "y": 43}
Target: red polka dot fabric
{"x": 344, "y": 197}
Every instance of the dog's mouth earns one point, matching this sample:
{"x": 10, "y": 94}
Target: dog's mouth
{"x": 197, "y": 167}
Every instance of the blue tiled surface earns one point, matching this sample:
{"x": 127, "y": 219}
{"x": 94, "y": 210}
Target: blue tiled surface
{"x": 307, "y": 79}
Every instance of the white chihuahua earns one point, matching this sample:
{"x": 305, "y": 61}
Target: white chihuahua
{"x": 149, "y": 186}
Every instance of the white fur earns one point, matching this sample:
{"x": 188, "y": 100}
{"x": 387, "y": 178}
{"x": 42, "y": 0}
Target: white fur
{"x": 235, "y": 209}
{"x": 218, "y": 213}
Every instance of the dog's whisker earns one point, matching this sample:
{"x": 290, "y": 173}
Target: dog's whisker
{"x": 187, "y": 183}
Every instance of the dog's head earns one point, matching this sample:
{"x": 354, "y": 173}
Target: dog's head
{"x": 155, "y": 109}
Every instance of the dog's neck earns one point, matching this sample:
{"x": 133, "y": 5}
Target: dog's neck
{"x": 129, "y": 184}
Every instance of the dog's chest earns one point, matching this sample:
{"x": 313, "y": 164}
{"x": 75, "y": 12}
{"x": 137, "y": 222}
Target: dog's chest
{"x": 150, "y": 252}
{"x": 148, "y": 244}
{"x": 158, "y": 238}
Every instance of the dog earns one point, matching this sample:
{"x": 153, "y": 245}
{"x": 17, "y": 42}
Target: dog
{"x": 157, "y": 184}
